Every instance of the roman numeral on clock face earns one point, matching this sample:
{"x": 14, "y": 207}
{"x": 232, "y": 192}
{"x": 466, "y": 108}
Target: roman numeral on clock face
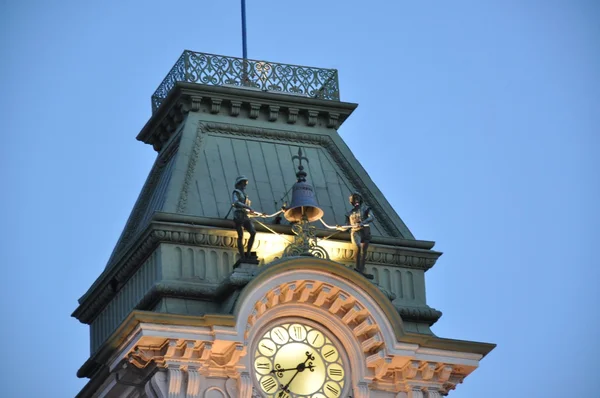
{"x": 268, "y": 384}
{"x": 332, "y": 389}
{"x": 297, "y": 332}
{"x": 329, "y": 353}
{"x": 262, "y": 365}
{"x": 335, "y": 372}
{"x": 268, "y": 348}
{"x": 315, "y": 338}
{"x": 279, "y": 334}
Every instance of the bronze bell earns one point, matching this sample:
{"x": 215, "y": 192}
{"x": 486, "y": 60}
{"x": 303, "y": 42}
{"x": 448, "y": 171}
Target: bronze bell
{"x": 304, "y": 203}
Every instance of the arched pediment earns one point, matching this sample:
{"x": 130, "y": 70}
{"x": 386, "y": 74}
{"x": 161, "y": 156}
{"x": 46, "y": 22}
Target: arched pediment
{"x": 352, "y": 307}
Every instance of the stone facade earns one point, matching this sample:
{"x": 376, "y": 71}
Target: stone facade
{"x": 172, "y": 316}
{"x": 184, "y": 356}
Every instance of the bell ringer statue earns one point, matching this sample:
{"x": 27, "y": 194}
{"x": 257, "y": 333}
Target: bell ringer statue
{"x": 241, "y": 205}
{"x": 358, "y": 220}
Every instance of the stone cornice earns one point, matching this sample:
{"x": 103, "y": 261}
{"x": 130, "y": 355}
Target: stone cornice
{"x": 419, "y": 375}
{"x": 186, "y": 97}
{"x": 388, "y": 373}
{"x": 111, "y": 280}
{"x": 93, "y": 364}
{"x": 181, "y": 352}
{"x": 440, "y": 343}
{"x": 423, "y": 246}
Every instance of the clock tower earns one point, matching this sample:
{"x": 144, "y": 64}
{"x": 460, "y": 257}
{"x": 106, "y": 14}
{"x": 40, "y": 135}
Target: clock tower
{"x": 236, "y": 272}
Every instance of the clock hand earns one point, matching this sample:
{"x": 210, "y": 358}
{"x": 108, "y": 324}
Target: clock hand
{"x": 285, "y": 388}
{"x": 300, "y": 368}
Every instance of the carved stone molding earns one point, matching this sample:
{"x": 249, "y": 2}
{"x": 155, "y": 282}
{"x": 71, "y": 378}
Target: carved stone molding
{"x": 420, "y": 377}
{"x": 273, "y": 113}
{"x": 175, "y": 378}
{"x": 312, "y": 117}
{"x": 164, "y": 125}
{"x": 433, "y": 394}
{"x": 193, "y": 382}
{"x": 176, "y": 355}
{"x": 224, "y": 239}
{"x": 184, "y": 365}
{"x": 189, "y": 174}
{"x": 333, "y": 121}
{"x": 361, "y": 390}
{"x": 444, "y": 373}
{"x": 196, "y": 101}
{"x": 427, "y": 370}
{"x": 273, "y": 134}
{"x": 416, "y": 392}
{"x": 235, "y": 108}
{"x": 339, "y": 304}
{"x": 215, "y": 105}
{"x": 245, "y": 386}
{"x": 254, "y": 110}
{"x": 292, "y": 115}
{"x": 183, "y": 99}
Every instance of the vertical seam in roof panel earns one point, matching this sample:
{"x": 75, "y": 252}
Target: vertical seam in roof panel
{"x": 335, "y": 216}
{"x": 224, "y": 177}
{"x": 282, "y": 174}
{"x": 252, "y": 171}
{"x": 311, "y": 173}
{"x": 260, "y": 145}
{"x": 199, "y": 196}
{"x": 237, "y": 168}
{"x": 211, "y": 182}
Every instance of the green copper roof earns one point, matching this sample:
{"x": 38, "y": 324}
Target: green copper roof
{"x": 199, "y": 160}
{"x": 271, "y": 174}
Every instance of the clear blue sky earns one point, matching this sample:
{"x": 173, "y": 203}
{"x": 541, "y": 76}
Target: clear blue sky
{"x": 479, "y": 120}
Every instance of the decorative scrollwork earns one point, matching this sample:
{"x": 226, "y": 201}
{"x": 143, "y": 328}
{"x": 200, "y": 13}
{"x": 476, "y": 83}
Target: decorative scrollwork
{"x": 305, "y": 242}
{"x": 319, "y": 252}
{"x": 278, "y": 370}
{"x": 219, "y": 70}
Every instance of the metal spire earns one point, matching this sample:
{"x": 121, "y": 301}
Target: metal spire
{"x": 244, "y": 48}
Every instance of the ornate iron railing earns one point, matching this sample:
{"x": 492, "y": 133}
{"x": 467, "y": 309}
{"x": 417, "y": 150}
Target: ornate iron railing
{"x": 218, "y": 70}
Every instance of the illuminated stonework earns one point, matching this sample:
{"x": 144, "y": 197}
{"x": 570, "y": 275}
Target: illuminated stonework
{"x": 296, "y": 306}
{"x": 174, "y": 314}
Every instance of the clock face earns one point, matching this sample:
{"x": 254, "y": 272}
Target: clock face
{"x": 296, "y": 360}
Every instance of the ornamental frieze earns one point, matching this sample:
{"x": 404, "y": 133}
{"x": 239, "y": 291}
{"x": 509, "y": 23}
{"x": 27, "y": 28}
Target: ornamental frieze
{"x": 225, "y": 239}
{"x": 378, "y": 255}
